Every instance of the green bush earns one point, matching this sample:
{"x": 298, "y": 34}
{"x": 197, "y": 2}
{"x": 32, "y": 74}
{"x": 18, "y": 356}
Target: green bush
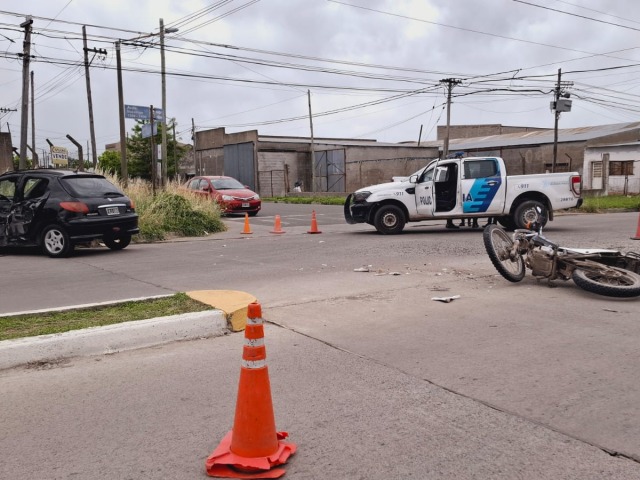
{"x": 172, "y": 212}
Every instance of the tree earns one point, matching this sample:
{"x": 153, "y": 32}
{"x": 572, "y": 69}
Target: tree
{"x": 139, "y": 152}
{"x": 109, "y": 162}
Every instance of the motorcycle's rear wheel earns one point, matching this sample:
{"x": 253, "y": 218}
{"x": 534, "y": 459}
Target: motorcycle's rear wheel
{"x": 498, "y": 245}
{"x": 608, "y": 281}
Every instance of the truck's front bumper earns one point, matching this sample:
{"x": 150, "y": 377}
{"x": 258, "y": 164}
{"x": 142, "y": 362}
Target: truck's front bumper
{"x": 356, "y": 212}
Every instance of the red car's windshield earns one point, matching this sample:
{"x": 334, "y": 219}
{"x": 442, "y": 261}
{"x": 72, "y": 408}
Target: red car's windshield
{"x": 226, "y": 184}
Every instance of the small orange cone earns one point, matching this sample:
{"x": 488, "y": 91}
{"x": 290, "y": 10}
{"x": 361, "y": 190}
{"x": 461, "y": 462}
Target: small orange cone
{"x": 247, "y": 227}
{"x": 314, "y": 223}
{"x": 253, "y": 447}
{"x": 637, "y": 237}
{"x": 277, "y": 228}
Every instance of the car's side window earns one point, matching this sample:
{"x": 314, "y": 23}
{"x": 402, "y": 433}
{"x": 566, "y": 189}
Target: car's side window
{"x": 35, "y": 188}
{"x": 8, "y": 188}
{"x": 195, "y": 183}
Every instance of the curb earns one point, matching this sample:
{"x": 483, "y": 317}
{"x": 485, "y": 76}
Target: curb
{"x": 109, "y": 339}
{"x": 228, "y": 314}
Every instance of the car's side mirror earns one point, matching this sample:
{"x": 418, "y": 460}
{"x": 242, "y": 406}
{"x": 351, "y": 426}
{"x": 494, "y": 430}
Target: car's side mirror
{"x": 413, "y": 179}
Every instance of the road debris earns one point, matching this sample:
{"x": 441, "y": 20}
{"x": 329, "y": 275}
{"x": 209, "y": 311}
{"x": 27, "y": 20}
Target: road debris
{"x": 446, "y": 299}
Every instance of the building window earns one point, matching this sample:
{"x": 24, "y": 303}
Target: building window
{"x": 621, "y": 168}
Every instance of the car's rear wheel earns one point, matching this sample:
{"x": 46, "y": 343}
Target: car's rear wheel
{"x": 117, "y": 242}
{"x": 55, "y": 242}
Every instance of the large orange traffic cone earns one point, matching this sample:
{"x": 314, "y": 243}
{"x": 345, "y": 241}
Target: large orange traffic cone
{"x": 314, "y": 223}
{"x": 253, "y": 448}
{"x": 277, "y": 227}
{"x": 637, "y": 237}
{"x": 247, "y": 227}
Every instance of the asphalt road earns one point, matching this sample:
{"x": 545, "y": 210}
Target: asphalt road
{"x": 372, "y": 377}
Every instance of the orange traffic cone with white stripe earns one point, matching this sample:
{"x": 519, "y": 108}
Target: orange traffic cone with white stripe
{"x": 314, "y": 223}
{"x": 277, "y": 227}
{"x": 253, "y": 448}
{"x": 637, "y": 237}
{"x": 247, "y": 227}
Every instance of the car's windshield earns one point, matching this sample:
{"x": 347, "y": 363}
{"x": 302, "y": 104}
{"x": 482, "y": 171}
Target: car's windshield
{"x": 226, "y": 184}
{"x": 85, "y": 186}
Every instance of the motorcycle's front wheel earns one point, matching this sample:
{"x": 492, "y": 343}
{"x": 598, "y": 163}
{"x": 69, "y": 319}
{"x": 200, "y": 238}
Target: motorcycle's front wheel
{"x": 499, "y": 247}
{"x": 608, "y": 281}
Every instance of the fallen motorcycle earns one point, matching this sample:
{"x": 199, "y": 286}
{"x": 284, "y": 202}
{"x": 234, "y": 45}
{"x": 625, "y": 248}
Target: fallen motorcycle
{"x": 603, "y": 272}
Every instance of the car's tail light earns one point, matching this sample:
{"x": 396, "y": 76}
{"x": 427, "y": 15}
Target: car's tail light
{"x": 77, "y": 207}
{"x": 576, "y": 184}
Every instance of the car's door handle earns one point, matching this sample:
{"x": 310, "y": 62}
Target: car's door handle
{"x": 491, "y": 183}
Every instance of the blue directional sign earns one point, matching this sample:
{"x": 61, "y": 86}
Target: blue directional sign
{"x": 139, "y": 112}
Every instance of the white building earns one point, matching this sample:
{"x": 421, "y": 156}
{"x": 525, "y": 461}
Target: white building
{"x": 612, "y": 169}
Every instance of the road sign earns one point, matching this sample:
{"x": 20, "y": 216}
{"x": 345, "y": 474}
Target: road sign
{"x": 139, "y": 112}
{"x": 146, "y": 129}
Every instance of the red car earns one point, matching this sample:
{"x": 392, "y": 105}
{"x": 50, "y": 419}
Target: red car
{"x": 231, "y": 195}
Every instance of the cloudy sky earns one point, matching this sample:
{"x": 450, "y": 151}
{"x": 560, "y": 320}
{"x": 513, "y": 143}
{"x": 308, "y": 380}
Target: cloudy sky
{"x": 373, "y": 67}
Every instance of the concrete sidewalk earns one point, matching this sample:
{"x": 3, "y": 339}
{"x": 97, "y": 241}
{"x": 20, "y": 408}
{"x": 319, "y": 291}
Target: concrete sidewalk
{"x": 159, "y": 412}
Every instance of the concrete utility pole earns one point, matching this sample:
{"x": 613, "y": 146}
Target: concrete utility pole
{"x": 560, "y": 104}
{"x": 92, "y": 131}
{"x": 33, "y": 124}
{"x": 24, "y": 120}
{"x": 124, "y": 175}
{"x": 312, "y": 147}
{"x": 450, "y": 83}
{"x": 195, "y": 149}
{"x": 154, "y": 164}
{"x": 80, "y": 157}
{"x": 164, "y": 100}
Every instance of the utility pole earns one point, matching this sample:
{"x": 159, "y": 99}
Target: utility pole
{"x": 195, "y": 149}
{"x": 24, "y": 120}
{"x": 312, "y": 147}
{"x": 88, "y": 79}
{"x": 124, "y": 175}
{"x": 559, "y": 105}
{"x": 154, "y": 164}
{"x": 164, "y": 100}
{"x": 33, "y": 124}
{"x": 80, "y": 157}
{"x": 175, "y": 160}
{"x": 450, "y": 83}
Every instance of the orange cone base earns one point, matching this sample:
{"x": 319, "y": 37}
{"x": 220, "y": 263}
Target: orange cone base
{"x": 277, "y": 231}
{"x": 223, "y": 463}
{"x": 314, "y": 231}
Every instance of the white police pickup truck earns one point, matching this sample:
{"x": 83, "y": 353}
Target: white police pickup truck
{"x": 471, "y": 187}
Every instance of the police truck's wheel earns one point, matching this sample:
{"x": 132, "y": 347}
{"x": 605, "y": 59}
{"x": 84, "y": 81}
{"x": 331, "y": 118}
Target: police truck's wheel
{"x": 527, "y": 212}
{"x": 55, "y": 242}
{"x": 389, "y": 220}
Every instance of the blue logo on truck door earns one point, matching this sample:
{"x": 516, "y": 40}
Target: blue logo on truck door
{"x": 481, "y": 195}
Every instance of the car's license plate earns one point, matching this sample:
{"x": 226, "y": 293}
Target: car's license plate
{"x": 245, "y": 205}
{"x": 113, "y": 211}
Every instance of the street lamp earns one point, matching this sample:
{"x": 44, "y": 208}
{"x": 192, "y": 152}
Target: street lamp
{"x": 164, "y": 100}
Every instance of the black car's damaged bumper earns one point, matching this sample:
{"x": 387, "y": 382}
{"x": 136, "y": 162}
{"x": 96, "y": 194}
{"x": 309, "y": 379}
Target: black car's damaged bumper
{"x": 356, "y": 212}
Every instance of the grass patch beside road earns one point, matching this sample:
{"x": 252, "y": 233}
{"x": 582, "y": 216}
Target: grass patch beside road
{"x": 598, "y": 204}
{"x": 19, "y": 326}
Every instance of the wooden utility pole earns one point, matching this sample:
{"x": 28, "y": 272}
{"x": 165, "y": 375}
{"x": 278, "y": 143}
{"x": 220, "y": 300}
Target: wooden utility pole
{"x": 154, "y": 165}
{"x": 88, "y": 80}
{"x": 312, "y": 147}
{"x": 124, "y": 175}
{"x": 450, "y": 83}
{"x": 24, "y": 120}
{"x": 195, "y": 149}
{"x": 33, "y": 124}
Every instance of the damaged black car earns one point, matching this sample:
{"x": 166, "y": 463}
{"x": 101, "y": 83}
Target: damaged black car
{"x": 59, "y": 209}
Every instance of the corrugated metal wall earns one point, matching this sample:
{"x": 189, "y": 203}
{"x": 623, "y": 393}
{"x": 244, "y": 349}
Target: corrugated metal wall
{"x": 239, "y": 164}
{"x": 330, "y": 171}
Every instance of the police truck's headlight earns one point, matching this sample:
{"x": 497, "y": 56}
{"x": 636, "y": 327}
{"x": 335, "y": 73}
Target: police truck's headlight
{"x": 360, "y": 197}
